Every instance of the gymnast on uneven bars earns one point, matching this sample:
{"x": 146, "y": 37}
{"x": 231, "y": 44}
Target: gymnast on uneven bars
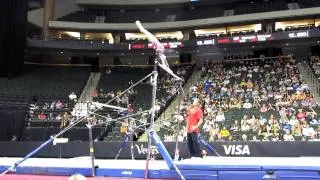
{"x": 159, "y": 50}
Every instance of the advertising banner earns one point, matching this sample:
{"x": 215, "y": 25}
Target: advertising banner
{"x": 109, "y": 150}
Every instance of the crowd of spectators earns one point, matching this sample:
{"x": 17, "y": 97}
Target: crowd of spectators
{"x": 166, "y": 91}
{"x": 260, "y": 100}
{"x": 57, "y": 110}
{"x": 166, "y": 84}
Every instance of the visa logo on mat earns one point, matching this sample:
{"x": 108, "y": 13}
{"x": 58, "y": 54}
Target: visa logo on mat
{"x": 236, "y": 149}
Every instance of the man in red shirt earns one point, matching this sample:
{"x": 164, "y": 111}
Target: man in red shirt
{"x": 194, "y": 121}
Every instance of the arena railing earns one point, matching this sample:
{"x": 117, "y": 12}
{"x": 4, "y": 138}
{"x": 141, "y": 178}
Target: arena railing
{"x": 310, "y": 75}
{"x": 254, "y": 59}
{"x": 54, "y": 64}
{"x": 144, "y": 65}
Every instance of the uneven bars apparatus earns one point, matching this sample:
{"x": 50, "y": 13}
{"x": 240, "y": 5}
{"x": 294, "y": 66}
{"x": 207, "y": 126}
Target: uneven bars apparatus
{"x": 151, "y": 133}
{"x": 160, "y": 61}
{"x": 77, "y": 121}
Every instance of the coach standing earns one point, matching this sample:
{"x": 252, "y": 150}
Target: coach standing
{"x": 194, "y": 121}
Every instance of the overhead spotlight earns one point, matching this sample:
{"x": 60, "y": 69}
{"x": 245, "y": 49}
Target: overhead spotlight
{"x": 287, "y": 44}
{"x": 102, "y": 42}
{"x": 251, "y": 2}
{"x": 61, "y": 52}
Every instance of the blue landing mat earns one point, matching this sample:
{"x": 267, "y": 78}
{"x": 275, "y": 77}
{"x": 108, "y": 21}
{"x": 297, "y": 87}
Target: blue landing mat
{"x": 200, "y": 169}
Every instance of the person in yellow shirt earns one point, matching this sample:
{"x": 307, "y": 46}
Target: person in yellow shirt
{"x": 243, "y": 83}
{"x": 224, "y": 133}
{"x": 294, "y": 97}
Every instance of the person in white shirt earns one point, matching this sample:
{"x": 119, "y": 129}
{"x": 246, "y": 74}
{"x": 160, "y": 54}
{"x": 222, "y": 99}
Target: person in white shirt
{"x": 254, "y": 139}
{"x": 293, "y": 121}
{"x": 73, "y": 97}
{"x": 207, "y": 126}
{"x": 194, "y": 88}
{"x": 308, "y": 131}
{"x": 247, "y": 104}
{"x": 288, "y": 136}
{"x": 58, "y": 118}
{"x": 220, "y": 116}
{"x": 108, "y": 71}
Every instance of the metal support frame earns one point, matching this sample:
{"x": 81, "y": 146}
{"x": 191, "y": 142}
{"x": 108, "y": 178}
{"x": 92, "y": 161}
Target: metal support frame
{"x": 154, "y": 81}
{"x": 160, "y": 61}
{"x": 180, "y": 93}
{"x": 91, "y": 151}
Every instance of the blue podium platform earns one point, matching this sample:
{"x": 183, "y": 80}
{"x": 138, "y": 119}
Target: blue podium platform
{"x": 209, "y": 168}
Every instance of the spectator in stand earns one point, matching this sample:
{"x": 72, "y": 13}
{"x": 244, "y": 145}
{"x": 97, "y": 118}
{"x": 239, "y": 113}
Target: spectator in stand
{"x": 272, "y": 119}
{"x": 59, "y": 105}
{"x": 275, "y": 137}
{"x": 65, "y": 106}
{"x": 124, "y": 127}
{"x": 264, "y": 108}
{"x": 235, "y": 127}
{"x": 308, "y": 131}
{"x": 95, "y": 93}
{"x": 53, "y": 105}
{"x": 220, "y": 116}
{"x": 288, "y": 136}
{"x": 301, "y": 115}
{"x": 245, "y": 126}
{"x": 111, "y": 95}
{"x": 254, "y": 139}
{"x": 247, "y": 104}
{"x": 42, "y": 116}
{"x": 296, "y": 130}
{"x": 224, "y": 133}
{"x": 33, "y": 108}
{"x": 45, "y": 106}
{"x": 206, "y": 126}
{"x": 73, "y": 97}
{"x": 108, "y": 70}
{"x": 263, "y": 130}
{"x": 244, "y": 137}
{"x": 58, "y": 117}
{"x": 101, "y": 92}
{"x": 130, "y": 83}
{"x": 65, "y": 120}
